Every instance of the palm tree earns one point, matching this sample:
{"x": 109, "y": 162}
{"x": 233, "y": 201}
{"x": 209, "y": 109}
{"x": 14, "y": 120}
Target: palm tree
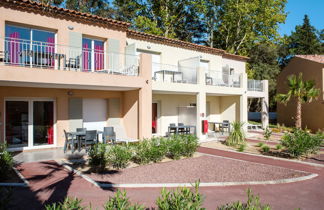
{"x": 302, "y": 91}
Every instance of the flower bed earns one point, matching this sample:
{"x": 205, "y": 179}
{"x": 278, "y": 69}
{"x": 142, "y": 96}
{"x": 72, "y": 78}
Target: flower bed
{"x": 102, "y": 158}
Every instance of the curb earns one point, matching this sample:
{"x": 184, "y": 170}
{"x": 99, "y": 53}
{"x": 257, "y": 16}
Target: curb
{"x": 24, "y": 184}
{"x": 269, "y": 157}
{"x": 202, "y": 184}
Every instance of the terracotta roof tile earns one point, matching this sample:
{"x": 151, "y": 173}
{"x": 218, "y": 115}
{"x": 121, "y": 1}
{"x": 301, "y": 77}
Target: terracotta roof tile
{"x": 315, "y": 58}
{"x": 43, "y": 8}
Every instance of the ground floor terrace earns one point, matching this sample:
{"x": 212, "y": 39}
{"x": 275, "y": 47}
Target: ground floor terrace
{"x": 36, "y": 118}
{"x": 193, "y": 109}
{"x": 225, "y": 176}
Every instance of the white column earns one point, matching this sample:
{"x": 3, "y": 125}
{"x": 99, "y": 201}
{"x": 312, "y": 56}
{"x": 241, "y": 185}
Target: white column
{"x": 201, "y": 114}
{"x": 244, "y": 101}
{"x": 265, "y": 105}
{"x": 201, "y": 103}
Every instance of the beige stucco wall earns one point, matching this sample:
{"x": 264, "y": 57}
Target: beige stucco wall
{"x": 230, "y": 108}
{"x": 313, "y": 113}
{"x": 168, "y": 108}
{"x": 221, "y": 108}
{"x": 61, "y": 102}
{"x": 239, "y": 66}
{"x": 171, "y": 55}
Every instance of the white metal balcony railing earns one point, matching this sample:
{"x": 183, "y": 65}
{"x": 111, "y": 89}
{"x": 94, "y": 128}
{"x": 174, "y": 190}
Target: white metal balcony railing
{"x": 218, "y": 78}
{"x": 35, "y": 54}
{"x": 255, "y": 85}
{"x": 173, "y": 73}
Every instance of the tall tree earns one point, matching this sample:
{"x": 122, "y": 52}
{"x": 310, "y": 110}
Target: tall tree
{"x": 171, "y": 18}
{"x": 263, "y": 65}
{"x": 302, "y": 91}
{"x": 243, "y": 23}
{"x": 303, "y": 41}
{"x": 125, "y": 10}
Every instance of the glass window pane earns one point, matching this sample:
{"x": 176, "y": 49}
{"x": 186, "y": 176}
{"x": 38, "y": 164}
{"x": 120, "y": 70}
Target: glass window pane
{"x": 43, "y": 48}
{"x": 86, "y": 54}
{"x": 17, "y": 45}
{"x": 17, "y": 32}
{"x": 99, "y": 54}
{"x": 17, "y": 123}
{"x": 43, "y": 122}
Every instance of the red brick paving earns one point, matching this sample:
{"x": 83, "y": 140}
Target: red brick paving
{"x": 50, "y": 182}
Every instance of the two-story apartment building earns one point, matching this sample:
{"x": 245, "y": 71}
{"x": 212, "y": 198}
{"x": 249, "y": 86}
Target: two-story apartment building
{"x": 61, "y": 70}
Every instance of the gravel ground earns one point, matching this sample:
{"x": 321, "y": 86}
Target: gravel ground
{"x": 206, "y": 168}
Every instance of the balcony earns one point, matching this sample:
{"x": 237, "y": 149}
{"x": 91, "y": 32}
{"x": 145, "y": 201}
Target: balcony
{"x": 174, "y": 73}
{"x": 255, "y": 85}
{"x": 218, "y": 78}
{"x": 45, "y": 55}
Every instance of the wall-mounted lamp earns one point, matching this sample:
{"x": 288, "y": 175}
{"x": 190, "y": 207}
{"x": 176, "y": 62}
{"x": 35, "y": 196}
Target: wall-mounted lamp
{"x": 148, "y": 47}
{"x": 70, "y": 27}
{"x": 70, "y": 93}
{"x": 147, "y": 81}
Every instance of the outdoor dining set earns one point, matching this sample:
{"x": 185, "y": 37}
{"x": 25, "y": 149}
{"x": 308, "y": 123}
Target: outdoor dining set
{"x": 181, "y": 128}
{"x": 85, "y": 138}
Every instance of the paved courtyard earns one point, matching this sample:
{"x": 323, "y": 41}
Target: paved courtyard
{"x": 50, "y": 182}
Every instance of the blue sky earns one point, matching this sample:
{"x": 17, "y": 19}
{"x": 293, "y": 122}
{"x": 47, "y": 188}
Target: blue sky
{"x": 297, "y": 9}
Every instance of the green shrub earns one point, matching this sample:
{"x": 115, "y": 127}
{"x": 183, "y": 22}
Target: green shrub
{"x": 142, "y": 152}
{"x": 97, "y": 157}
{"x": 175, "y": 145}
{"x": 190, "y": 145}
{"x": 299, "y": 142}
{"x": 267, "y": 133}
{"x": 260, "y": 144}
{"x": 278, "y": 147}
{"x": 181, "y": 198}
{"x": 158, "y": 149}
{"x": 241, "y": 148}
{"x": 119, "y": 156}
{"x": 67, "y": 204}
{"x": 121, "y": 202}
{"x": 6, "y": 162}
{"x": 253, "y": 203}
{"x": 265, "y": 148}
{"x": 237, "y": 135}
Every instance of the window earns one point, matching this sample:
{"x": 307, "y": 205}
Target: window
{"x": 92, "y": 54}
{"x": 27, "y": 46}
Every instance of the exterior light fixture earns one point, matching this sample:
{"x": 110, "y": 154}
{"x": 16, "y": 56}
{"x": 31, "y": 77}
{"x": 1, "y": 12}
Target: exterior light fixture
{"x": 70, "y": 93}
{"x": 70, "y": 27}
{"x": 148, "y": 47}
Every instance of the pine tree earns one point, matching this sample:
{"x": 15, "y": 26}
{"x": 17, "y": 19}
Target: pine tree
{"x": 304, "y": 39}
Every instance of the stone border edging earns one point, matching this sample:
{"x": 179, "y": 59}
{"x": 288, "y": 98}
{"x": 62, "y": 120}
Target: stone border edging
{"x": 14, "y": 184}
{"x": 202, "y": 184}
{"x": 270, "y": 157}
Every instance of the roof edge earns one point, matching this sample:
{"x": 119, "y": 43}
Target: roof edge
{"x": 26, "y": 5}
{"x": 183, "y": 44}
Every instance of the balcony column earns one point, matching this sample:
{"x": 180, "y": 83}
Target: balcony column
{"x": 145, "y": 97}
{"x": 244, "y": 101}
{"x": 201, "y": 103}
{"x": 265, "y": 104}
{"x": 201, "y": 114}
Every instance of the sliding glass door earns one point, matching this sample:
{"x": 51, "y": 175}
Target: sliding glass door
{"x": 17, "y": 118}
{"x": 43, "y": 118}
{"x": 29, "y": 123}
